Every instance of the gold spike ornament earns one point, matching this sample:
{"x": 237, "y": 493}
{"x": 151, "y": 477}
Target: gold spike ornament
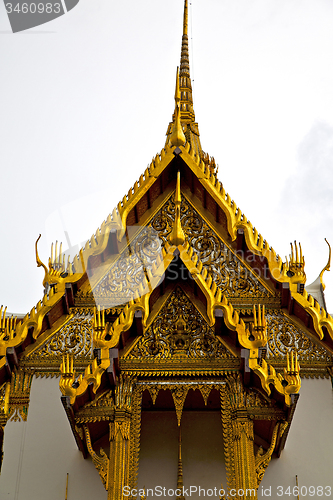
{"x": 177, "y": 236}
{"x": 177, "y": 137}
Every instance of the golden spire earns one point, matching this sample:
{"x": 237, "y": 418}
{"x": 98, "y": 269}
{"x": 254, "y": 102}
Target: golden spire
{"x": 177, "y": 236}
{"x": 186, "y": 103}
{"x": 186, "y": 112}
{"x": 177, "y": 137}
{"x": 185, "y": 58}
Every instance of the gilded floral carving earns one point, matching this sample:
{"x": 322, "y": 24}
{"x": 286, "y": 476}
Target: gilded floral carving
{"x": 179, "y": 330}
{"x": 75, "y": 338}
{"x": 233, "y": 278}
{"x": 284, "y": 337}
{"x": 128, "y": 272}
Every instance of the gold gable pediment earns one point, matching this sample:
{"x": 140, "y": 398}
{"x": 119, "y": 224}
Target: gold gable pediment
{"x": 73, "y": 338}
{"x": 231, "y": 273}
{"x": 178, "y": 332}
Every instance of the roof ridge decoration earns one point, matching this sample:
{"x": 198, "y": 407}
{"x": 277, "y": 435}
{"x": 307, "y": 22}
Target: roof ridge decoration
{"x": 73, "y": 388}
{"x": 327, "y": 267}
{"x": 321, "y": 318}
{"x": 12, "y": 331}
{"x": 235, "y": 218}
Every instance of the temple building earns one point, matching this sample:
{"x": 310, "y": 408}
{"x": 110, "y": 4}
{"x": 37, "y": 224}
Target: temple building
{"x": 177, "y": 355}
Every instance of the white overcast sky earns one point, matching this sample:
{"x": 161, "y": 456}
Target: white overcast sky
{"x": 86, "y": 99}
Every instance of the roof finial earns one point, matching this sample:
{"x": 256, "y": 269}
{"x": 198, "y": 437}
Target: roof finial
{"x": 177, "y": 137}
{"x": 185, "y": 24}
{"x": 327, "y": 267}
{"x": 185, "y": 80}
{"x": 184, "y": 58}
{"x": 177, "y": 236}
{"x": 186, "y": 112}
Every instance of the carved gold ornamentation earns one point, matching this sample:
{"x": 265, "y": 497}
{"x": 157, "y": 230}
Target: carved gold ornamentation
{"x": 284, "y": 336}
{"x": 177, "y": 237}
{"x": 259, "y": 327}
{"x": 122, "y": 323}
{"x": 75, "y": 338}
{"x": 101, "y": 462}
{"x": 235, "y": 218}
{"x": 256, "y": 335}
{"x": 135, "y": 433}
{"x": 4, "y": 403}
{"x": 153, "y": 391}
{"x": 177, "y": 137}
{"x": 34, "y": 320}
{"x": 227, "y": 271}
{"x": 189, "y": 337}
{"x": 268, "y": 375}
{"x": 122, "y": 427}
{"x": 179, "y": 393}
{"x": 123, "y": 393}
{"x": 71, "y": 387}
{"x": 241, "y": 437}
{"x": 120, "y": 435}
{"x": 19, "y": 395}
{"x": 292, "y": 380}
{"x": 205, "y": 391}
{"x": 321, "y": 319}
{"x": 127, "y": 277}
{"x": 262, "y": 459}
{"x": 227, "y": 429}
{"x": 7, "y": 330}
{"x": 295, "y": 265}
{"x": 237, "y": 408}
{"x": 102, "y": 408}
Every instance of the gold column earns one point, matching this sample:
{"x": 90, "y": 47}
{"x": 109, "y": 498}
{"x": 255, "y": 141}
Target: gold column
{"x": 245, "y": 473}
{"x": 119, "y": 456}
{"x": 238, "y": 440}
{"x": 119, "y": 463}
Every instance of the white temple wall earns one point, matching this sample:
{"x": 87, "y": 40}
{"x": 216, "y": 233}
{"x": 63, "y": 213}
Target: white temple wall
{"x": 308, "y": 450}
{"x": 39, "y": 453}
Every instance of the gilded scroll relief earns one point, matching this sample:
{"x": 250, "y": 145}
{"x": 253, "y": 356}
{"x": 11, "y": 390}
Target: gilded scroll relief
{"x": 231, "y": 277}
{"x": 128, "y": 272}
{"x": 75, "y": 338}
{"x": 285, "y": 337}
{"x": 179, "y": 330}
